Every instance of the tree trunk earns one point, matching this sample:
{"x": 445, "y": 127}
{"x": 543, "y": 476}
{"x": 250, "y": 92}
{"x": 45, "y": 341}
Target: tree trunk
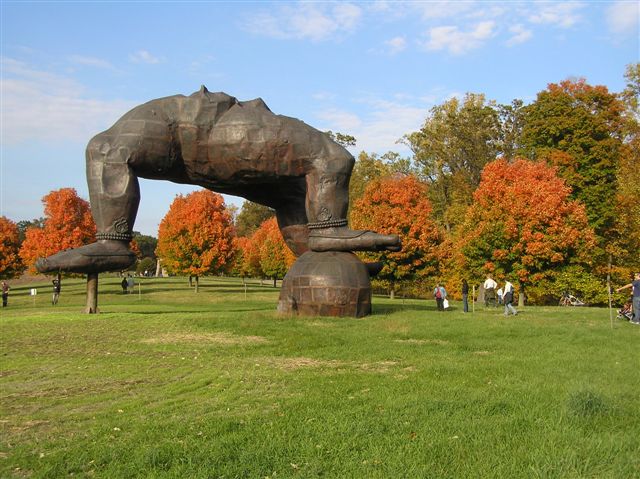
{"x": 196, "y": 284}
{"x": 158, "y": 269}
{"x": 274, "y": 281}
{"x": 392, "y": 294}
{"x": 521, "y": 295}
{"x": 92, "y": 293}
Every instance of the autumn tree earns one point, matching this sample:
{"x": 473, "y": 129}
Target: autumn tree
{"x": 195, "y": 237}
{"x": 251, "y": 216}
{"x": 624, "y": 242}
{"x": 24, "y": 225}
{"x": 579, "y": 128}
{"x": 399, "y": 205}
{"x": 371, "y": 166}
{"x": 67, "y": 224}
{"x": 241, "y": 265}
{"x": 275, "y": 256}
{"x": 523, "y": 224}
{"x": 10, "y": 263}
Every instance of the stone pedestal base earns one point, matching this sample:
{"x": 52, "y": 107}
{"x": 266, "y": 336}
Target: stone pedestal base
{"x": 332, "y": 283}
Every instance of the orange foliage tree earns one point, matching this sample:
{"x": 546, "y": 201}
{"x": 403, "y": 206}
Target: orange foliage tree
{"x": 399, "y": 205}
{"x": 523, "y": 223}
{"x": 275, "y": 256}
{"x": 196, "y": 235}
{"x": 68, "y": 224}
{"x": 10, "y": 263}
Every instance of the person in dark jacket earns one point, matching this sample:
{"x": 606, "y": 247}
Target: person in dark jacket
{"x": 465, "y": 296}
{"x": 56, "y": 291}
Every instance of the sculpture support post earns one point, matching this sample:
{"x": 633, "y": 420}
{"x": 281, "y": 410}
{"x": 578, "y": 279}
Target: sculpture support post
{"x": 92, "y": 293}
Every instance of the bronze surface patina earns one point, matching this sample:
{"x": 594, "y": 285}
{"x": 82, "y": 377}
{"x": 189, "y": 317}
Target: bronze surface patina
{"x": 235, "y": 147}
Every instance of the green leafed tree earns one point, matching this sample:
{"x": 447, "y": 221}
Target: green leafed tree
{"x": 251, "y": 216}
{"x": 456, "y": 141}
{"x": 146, "y": 244}
{"x": 342, "y": 139}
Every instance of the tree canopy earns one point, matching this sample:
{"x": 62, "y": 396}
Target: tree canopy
{"x": 10, "y": 263}
{"x": 67, "y": 224}
{"x": 523, "y": 223}
{"x": 196, "y": 235}
{"x": 399, "y": 205}
{"x": 251, "y": 216}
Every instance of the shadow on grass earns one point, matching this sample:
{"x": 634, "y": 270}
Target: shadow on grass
{"x": 387, "y": 308}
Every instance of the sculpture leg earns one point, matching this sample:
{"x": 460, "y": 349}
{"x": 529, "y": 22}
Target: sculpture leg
{"x": 114, "y": 195}
{"x": 327, "y": 202}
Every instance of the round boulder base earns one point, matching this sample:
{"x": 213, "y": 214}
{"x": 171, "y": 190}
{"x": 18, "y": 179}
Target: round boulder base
{"x": 331, "y": 283}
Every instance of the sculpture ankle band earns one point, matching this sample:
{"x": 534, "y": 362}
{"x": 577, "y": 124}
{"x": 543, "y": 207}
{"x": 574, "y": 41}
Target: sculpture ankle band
{"x": 114, "y": 236}
{"x": 327, "y": 224}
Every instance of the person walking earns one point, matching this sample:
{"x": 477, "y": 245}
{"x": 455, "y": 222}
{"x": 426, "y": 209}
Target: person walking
{"x": 56, "y": 291}
{"x": 440, "y": 294}
{"x": 5, "y": 294}
{"x": 130, "y": 283}
{"x": 635, "y": 284}
{"x": 124, "y": 283}
{"x": 508, "y": 299}
{"x": 465, "y": 296}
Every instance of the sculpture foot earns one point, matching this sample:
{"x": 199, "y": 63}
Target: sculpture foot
{"x": 345, "y": 239}
{"x": 104, "y": 255}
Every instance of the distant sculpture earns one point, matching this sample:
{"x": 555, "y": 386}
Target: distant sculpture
{"x": 235, "y": 147}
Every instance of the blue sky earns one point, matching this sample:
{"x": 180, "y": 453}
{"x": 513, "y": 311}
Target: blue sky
{"x": 369, "y": 69}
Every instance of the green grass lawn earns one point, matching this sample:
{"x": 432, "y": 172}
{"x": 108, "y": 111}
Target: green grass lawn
{"x": 169, "y": 383}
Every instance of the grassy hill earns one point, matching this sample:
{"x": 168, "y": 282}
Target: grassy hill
{"x": 169, "y": 383}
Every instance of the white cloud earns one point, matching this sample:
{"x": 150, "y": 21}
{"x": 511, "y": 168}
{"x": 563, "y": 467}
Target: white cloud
{"x": 312, "y": 21}
{"x": 622, "y": 17}
{"x": 323, "y": 96}
{"x": 143, "y": 56}
{"x": 341, "y": 120}
{"x": 520, "y": 34}
{"x": 456, "y": 41}
{"x": 380, "y": 127}
{"x": 561, "y": 14}
{"x": 91, "y": 62}
{"x": 43, "y": 106}
{"x": 442, "y": 9}
{"x": 396, "y": 45}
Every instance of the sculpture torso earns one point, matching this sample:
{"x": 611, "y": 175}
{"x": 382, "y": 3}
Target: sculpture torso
{"x": 216, "y": 141}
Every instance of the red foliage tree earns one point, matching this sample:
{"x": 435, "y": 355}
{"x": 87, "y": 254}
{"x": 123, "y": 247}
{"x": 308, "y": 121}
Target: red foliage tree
{"x": 10, "y": 263}
{"x": 399, "y": 205}
{"x": 523, "y": 222}
{"x": 68, "y": 224}
{"x": 196, "y": 235}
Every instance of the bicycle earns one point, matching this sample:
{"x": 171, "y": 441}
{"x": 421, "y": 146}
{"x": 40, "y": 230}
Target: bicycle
{"x": 568, "y": 299}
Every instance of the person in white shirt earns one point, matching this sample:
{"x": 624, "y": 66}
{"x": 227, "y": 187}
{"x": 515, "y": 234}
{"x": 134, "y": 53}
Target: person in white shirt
{"x": 489, "y": 290}
{"x": 508, "y": 299}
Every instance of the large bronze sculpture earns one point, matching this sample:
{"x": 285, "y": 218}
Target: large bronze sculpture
{"x": 235, "y": 147}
